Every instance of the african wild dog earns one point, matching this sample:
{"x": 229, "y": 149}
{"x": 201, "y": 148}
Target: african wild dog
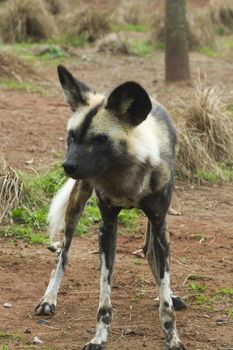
{"x": 121, "y": 146}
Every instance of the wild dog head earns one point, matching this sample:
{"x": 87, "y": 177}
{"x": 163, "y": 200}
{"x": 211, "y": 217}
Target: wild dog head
{"x": 99, "y": 127}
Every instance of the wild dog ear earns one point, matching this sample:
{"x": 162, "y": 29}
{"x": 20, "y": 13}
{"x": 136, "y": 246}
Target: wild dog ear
{"x": 74, "y": 90}
{"x": 130, "y": 102}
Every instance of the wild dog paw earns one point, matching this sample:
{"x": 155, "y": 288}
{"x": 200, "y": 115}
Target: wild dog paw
{"x": 91, "y": 346}
{"x": 45, "y": 308}
{"x": 178, "y": 303}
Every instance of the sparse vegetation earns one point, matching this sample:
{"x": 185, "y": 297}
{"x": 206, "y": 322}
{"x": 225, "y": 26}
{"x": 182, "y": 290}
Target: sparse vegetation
{"x": 206, "y": 140}
{"x": 87, "y": 24}
{"x": 130, "y": 12}
{"x": 23, "y": 86}
{"x": 222, "y": 16}
{"x": 29, "y": 218}
{"x": 13, "y": 68}
{"x": 142, "y": 48}
{"x": 10, "y": 190}
{"x": 22, "y": 20}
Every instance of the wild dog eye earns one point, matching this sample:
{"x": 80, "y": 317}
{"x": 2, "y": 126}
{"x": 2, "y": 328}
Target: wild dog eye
{"x": 101, "y": 138}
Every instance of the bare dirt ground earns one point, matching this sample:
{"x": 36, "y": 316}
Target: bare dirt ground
{"x": 32, "y": 131}
{"x": 202, "y": 245}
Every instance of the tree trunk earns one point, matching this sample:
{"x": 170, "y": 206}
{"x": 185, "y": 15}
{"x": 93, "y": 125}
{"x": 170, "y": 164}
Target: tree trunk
{"x": 176, "y": 41}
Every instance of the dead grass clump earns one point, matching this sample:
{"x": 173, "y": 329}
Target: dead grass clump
{"x": 87, "y": 23}
{"x": 200, "y": 28}
{"x": 10, "y": 189}
{"x": 135, "y": 11}
{"x": 206, "y": 134}
{"x": 56, "y": 7}
{"x": 21, "y": 20}
{"x": 14, "y": 68}
{"x": 222, "y": 15}
{"x": 129, "y": 11}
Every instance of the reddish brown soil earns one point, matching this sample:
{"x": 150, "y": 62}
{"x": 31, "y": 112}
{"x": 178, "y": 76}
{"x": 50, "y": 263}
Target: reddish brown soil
{"x": 32, "y": 130}
{"x": 202, "y": 245}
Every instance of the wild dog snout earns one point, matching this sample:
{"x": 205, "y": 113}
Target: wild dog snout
{"x": 69, "y": 167}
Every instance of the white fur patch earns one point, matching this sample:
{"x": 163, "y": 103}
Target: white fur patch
{"x": 105, "y": 301}
{"x": 105, "y": 288}
{"x": 57, "y": 209}
{"x": 101, "y": 333}
{"x": 144, "y": 142}
{"x": 165, "y": 312}
{"x": 165, "y": 290}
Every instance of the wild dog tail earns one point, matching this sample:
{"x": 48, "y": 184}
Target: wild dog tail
{"x": 57, "y": 212}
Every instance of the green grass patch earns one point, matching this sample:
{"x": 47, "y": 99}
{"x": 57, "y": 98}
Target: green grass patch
{"x": 198, "y": 288}
{"x": 22, "y": 86}
{"x": 201, "y": 299}
{"x": 74, "y": 41}
{"x": 223, "y": 174}
{"x": 49, "y": 51}
{"x": 24, "y": 232}
{"x": 225, "y": 43}
{"x": 208, "y": 51}
{"x": 29, "y": 219}
{"x": 225, "y": 292}
{"x": 129, "y": 218}
{"x": 229, "y": 311}
{"x": 142, "y": 48}
{"x": 4, "y": 347}
{"x": 52, "y": 52}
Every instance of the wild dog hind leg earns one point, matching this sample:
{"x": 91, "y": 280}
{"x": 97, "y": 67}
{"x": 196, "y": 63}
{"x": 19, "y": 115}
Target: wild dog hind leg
{"x": 107, "y": 249}
{"x": 177, "y": 302}
{"x": 78, "y": 198}
{"x": 158, "y": 251}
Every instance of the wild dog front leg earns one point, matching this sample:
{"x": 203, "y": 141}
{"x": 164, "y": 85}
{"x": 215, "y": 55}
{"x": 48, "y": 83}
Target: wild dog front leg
{"x": 158, "y": 258}
{"x": 78, "y": 198}
{"x": 107, "y": 248}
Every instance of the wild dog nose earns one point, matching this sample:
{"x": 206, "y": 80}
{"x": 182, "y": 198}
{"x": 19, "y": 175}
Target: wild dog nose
{"x": 69, "y": 167}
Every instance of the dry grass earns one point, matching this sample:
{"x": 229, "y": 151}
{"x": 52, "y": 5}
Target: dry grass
{"x": 21, "y": 20}
{"x": 88, "y": 23}
{"x": 134, "y": 11}
{"x": 222, "y": 15}
{"x": 14, "y": 68}
{"x": 56, "y": 7}
{"x": 206, "y": 133}
{"x": 200, "y": 29}
{"x": 129, "y": 11}
{"x": 10, "y": 189}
